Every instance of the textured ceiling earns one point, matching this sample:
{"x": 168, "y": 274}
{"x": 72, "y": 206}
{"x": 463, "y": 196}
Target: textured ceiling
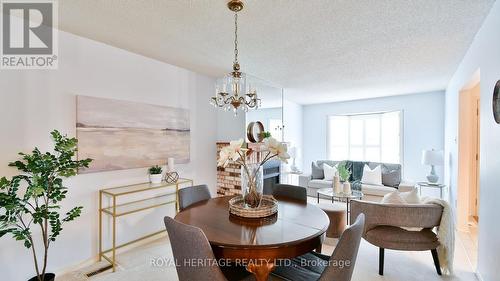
{"x": 319, "y": 50}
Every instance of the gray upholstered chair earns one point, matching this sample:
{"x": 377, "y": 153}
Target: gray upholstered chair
{"x": 386, "y": 227}
{"x": 338, "y": 267}
{"x": 182, "y": 235}
{"x": 193, "y": 194}
{"x": 293, "y": 192}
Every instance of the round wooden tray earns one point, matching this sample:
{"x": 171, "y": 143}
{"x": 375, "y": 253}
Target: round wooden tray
{"x": 268, "y": 207}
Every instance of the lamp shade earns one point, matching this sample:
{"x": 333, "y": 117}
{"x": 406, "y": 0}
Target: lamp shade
{"x": 432, "y": 157}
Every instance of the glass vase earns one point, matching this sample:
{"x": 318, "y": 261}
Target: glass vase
{"x": 252, "y": 185}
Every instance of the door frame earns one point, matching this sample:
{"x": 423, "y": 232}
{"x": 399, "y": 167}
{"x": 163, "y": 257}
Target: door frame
{"x": 468, "y": 151}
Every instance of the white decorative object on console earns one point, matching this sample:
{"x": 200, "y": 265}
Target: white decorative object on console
{"x": 171, "y": 165}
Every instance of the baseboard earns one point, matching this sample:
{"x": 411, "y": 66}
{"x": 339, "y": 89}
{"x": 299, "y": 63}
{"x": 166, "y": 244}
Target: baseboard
{"x": 77, "y": 266}
{"x": 95, "y": 259}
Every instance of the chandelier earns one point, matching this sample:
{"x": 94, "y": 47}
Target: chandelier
{"x": 233, "y": 92}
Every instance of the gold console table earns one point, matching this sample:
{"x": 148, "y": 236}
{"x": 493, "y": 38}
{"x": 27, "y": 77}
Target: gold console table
{"x": 117, "y": 210}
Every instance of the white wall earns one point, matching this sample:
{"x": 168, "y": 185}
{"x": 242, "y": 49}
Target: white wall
{"x": 293, "y": 120}
{"x": 34, "y": 102}
{"x": 483, "y": 55}
{"x": 229, "y": 126}
{"x": 423, "y": 127}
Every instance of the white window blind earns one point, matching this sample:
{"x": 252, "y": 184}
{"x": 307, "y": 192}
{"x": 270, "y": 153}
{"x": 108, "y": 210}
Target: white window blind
{"x": 365, "y": 137}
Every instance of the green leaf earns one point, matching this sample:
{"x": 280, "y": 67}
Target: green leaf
{"x": 5, "y": 231}
{"x": 27, "y": 244}
{"x": 40, "y": 178}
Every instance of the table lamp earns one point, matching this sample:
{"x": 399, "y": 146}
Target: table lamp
{"x": 432, "y": 158}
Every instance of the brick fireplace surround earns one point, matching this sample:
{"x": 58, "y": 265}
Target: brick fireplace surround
{"x": 229, "y": 178}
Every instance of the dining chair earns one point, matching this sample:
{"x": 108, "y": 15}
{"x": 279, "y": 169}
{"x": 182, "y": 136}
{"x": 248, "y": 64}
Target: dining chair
{"x": 294, "y": 192}
{"x": 197, "y": 262}
{"x": 339, "y": 266}
{"x": 193, "y": 194}
{"x": 181, "y": 235}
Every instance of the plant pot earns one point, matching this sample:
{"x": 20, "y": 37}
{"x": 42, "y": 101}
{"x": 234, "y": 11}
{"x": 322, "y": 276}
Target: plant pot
{"x": 347, "y": 188}
{"x": 156, "y": 178}
{"x": 47, "y": 277}
{"x": 252, "y": 185}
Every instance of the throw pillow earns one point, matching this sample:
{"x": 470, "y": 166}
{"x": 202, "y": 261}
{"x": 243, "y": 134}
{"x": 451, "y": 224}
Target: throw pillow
{"x": 329, "y": 171}
{"x": 411, "y": 197}
{"x": 391, "y": 178}
{"x": 393, "y": 198}
{"x": 316, "y": 172}
{"x": 370, "y": 176}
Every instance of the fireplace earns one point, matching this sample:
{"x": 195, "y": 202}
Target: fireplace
{"x": 229, "y": 178}
{"x": 271, "y": 171}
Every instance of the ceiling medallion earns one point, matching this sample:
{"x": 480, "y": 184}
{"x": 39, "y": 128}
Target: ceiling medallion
{"x": 233, "y": 92}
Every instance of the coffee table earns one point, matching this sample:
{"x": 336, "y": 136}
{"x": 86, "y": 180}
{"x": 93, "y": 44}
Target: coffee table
{"x": 341, "y": 197}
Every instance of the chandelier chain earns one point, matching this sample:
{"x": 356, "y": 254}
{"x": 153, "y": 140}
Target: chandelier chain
{"x": 235, "y": 37}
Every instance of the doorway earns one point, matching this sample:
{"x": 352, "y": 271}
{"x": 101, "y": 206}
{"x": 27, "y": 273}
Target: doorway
{"x": 469, "y": 163}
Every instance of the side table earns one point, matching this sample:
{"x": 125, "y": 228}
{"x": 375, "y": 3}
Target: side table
{"x": 431, "y": 185}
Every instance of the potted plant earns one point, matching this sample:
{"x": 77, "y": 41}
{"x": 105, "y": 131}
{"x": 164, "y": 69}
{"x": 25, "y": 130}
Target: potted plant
{"x": 344, "y": 175}
{"x": 344, "y": 172}
{"x": 252, "y": 180}
{"x": 155, "y": 175}
{"x": 265, "y": 135}
{"x": 33, "y": 198}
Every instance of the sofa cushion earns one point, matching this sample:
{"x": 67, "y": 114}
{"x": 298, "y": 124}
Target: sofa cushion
{"x": 377, "y": 190}
{"x": 329, "y": 171}
{"x": 320, "y": 184}
{"x": 395, "y": 238}
{"x": 317, "y": 168}
{"x": 316, "y": 171}
{"x": 372, "y": 176}
{"x": 411, "y": 197}
{"x": 393, "y": 198}
{"x": 391, "y": 173}
{"x": 391, "y": 178}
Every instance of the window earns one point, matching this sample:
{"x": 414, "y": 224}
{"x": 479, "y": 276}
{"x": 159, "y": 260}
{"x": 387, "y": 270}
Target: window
{"x": 365, "y": 137}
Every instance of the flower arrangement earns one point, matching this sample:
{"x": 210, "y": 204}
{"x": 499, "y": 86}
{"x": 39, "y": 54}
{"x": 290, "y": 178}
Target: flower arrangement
{"x": 236, "y": 153}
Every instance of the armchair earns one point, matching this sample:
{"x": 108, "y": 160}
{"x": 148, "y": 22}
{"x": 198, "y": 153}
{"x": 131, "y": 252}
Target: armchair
{"x": 386, "y": 227}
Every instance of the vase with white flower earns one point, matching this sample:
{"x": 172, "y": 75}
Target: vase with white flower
{"x": 252, "y": 180}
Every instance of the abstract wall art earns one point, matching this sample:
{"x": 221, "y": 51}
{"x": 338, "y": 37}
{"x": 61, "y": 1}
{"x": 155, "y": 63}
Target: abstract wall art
{"x": 125, "y": 135}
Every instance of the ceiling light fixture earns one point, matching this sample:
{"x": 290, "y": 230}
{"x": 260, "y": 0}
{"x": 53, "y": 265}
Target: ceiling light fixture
{"x": 233, "y": 92}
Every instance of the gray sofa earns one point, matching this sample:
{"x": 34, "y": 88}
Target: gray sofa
{"x": 391, "y": 178}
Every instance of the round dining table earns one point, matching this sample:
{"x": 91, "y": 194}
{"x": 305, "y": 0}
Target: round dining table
{"x": 296, "y": 229}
